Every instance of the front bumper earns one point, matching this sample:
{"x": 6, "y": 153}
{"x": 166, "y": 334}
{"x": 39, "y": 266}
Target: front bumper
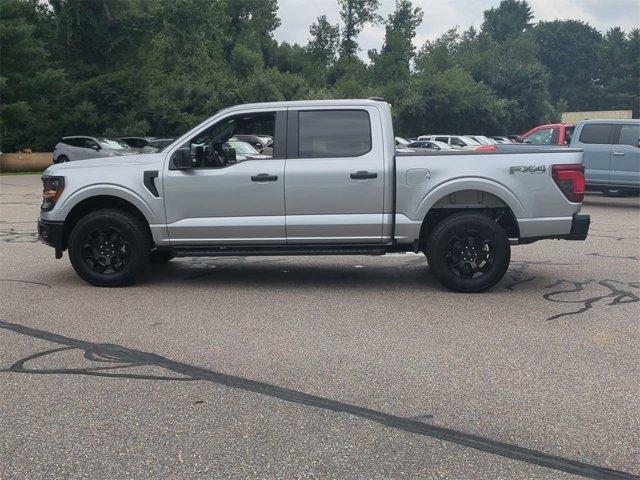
{"x": 52, "y": 234}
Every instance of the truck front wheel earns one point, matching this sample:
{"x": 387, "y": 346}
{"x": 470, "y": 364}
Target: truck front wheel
{"x": 109, "y": 248}
{"x": 468, "y": 252}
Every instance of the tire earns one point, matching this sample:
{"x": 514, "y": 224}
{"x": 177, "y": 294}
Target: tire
{"x": 62, "y": 159}
{"x": 161, "y": 257}
{"x": 109, "y": 248}
{"x": 463, "y": 243}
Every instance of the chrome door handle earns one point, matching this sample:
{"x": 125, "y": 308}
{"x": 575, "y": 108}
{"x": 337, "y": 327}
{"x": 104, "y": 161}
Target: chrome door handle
{"x": 619, "y": 154}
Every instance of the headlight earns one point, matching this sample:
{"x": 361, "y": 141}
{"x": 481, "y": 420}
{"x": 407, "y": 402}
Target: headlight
{"x": 52, "y": 188}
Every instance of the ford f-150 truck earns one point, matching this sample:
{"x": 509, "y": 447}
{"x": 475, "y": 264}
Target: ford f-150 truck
{"x": 334, "y": 185}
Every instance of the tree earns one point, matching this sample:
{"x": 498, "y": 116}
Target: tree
{"x": 619, "y": 71}
{"x": 29, "y": 81}
{"x": 569, "y": 51}
{"x": 355, "y": 15}
{"x": 323, "y": 45}
{"x": 510, "y": 19}
{"x": 393, "y": 62}
{"x": 448, "y": 101}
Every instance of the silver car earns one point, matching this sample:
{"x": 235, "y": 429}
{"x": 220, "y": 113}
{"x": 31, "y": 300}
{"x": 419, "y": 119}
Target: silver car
{"x": 459, "y": 142}
{"x": 430, "y": 144}
{"x": 82, "y": 148}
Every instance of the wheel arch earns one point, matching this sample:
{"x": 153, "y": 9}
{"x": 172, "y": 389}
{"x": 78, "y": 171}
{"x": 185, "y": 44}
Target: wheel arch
{"x": 452, "y": 200}
{"x": 100, "y": 202}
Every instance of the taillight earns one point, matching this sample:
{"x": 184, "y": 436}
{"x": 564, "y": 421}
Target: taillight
{"x": 570, "y": 179}
{"x": 486, "y": 148}
{"x": 52, "y": 188}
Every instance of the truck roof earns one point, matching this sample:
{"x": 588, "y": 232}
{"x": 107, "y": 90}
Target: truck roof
{"x": 612, "y": 120}
{"x": 306, "y": 103}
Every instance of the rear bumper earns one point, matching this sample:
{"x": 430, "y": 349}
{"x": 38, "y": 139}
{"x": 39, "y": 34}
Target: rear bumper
{"x": 579, "y": 231}
{"x": 579, "y": 227}
{"x": 52, "y": 234}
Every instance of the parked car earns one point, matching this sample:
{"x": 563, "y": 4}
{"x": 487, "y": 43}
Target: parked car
{"x": 402, "y": 142}
{"x": 502, "y": 139}
{"x": 136, "y": 142}
{"x": 335, "y": 185}
{"x": 611, "y": 154}
{"x": 482, "y": 140}
{"x": 147, "y": 144}
{"x": 243, "y": 149}
{"x": 159, "y": 143}
{"x": 551, "y": 134}
{"x": 82, "y": 148}
{"x": 262, "y": 143}
{"x": 460, "y": 142}
{"x": 430, "y": 144}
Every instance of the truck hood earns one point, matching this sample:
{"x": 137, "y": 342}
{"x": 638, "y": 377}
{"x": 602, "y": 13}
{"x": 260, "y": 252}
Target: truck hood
{"x": 101, "y": 162}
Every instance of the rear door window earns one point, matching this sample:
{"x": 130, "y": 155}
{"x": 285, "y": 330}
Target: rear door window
{"x": 74, "y": 142}
{"x": 629, "y": 135}
{"x": 596, "y": 133}
{"x": 334, "y": 133}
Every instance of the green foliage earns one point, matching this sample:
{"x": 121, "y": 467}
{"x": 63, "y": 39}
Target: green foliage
{"x": 509, "y": 20}
{"x": 448, "y": 101}
{"x": 569, "y": 52}
{"x": 393, "y": 62}
{"x": 355, "y": 15}
{"x": 323, "y": 45}
{"x": 147, "y": 67}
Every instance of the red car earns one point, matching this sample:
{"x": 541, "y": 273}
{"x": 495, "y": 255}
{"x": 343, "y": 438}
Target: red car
{"x": 551, "y": 134}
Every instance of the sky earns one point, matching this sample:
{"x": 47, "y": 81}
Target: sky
{"x": 441, "y": 15}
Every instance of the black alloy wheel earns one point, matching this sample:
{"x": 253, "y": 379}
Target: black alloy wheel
{"x": 105, "y": 250}
{"x": 469, "y": 255}
{"x": 468, "y": 251}
{"x": 109, "y": 248}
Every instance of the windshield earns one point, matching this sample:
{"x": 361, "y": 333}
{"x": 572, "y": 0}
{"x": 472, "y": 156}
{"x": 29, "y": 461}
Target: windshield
{"x": 469, "y": 141}
{"x": 481, "y": 140}
{"x": 113, "y": 144}
{"x": 243, "y": 148}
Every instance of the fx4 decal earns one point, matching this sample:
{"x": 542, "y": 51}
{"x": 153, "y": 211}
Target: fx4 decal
{"x": 528, "y": 169}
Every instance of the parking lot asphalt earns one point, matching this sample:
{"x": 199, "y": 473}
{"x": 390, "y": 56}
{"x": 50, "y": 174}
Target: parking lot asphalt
{"x": 322, "y": 367}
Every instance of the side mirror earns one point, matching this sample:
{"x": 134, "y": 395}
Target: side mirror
{"x": 182, "y": 159}
{"x": 229, "y": 155}
{"x": 95, "y": 147}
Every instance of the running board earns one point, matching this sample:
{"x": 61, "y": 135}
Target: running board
{"x": 270, "y": 250}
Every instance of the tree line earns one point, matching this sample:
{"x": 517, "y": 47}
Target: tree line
{"x": 146, "y": 67}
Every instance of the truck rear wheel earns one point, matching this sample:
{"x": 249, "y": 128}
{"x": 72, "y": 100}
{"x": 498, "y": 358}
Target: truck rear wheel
{"x": 109, "y": 248}
{"x": 468, "y": 252}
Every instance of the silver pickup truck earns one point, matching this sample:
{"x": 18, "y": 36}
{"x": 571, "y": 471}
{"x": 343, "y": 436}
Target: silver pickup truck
{"x": 334, "y": 185}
